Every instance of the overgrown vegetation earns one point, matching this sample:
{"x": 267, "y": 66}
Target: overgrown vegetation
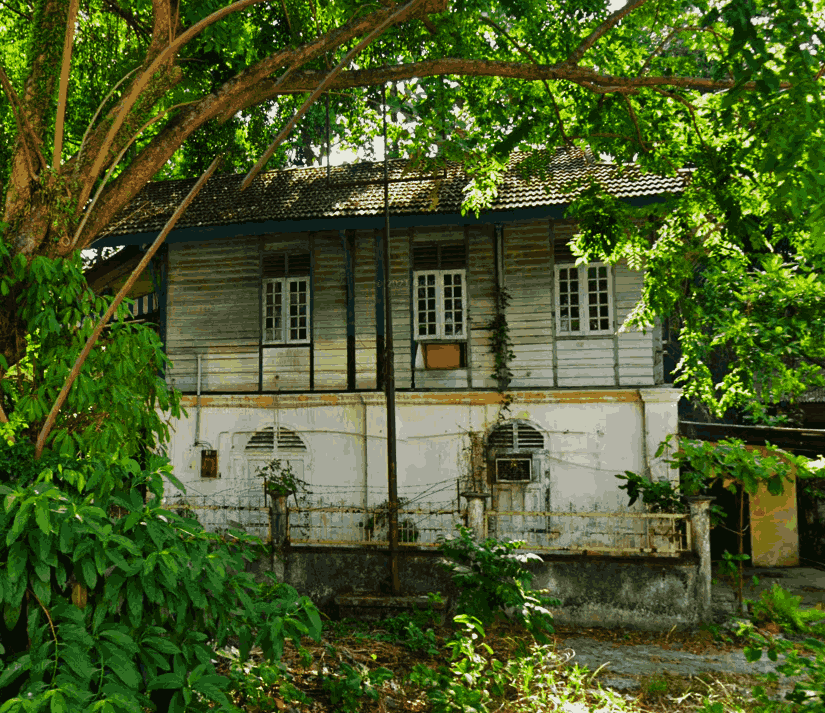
{"x": 700, "y": 463}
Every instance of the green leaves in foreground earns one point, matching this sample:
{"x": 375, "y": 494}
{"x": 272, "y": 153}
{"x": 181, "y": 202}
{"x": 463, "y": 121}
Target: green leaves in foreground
{"x": 115, "y": 598}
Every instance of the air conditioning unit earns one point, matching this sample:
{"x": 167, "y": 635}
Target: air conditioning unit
{"x": 513, "y": 470}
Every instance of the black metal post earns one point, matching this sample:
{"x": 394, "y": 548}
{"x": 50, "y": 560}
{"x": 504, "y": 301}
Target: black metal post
{"x": 389, "y": 373}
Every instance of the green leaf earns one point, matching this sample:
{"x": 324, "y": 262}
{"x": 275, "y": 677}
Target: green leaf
{"x": 89, "y": 573}
{"x": 168, "y": 681}
{"x": 15, "y": 669}
{"x": 122, "y": 639}
{"x": 16, "y": 563}
{"x": 165, "y": 646}
{"x": 58, "y": 703}
{"x": 41, "y": 515}
{"x": 753, "y": 653}
{"x": 134, "y": 598}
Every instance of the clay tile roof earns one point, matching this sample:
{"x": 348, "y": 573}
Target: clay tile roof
{"x": 357, "y": 190}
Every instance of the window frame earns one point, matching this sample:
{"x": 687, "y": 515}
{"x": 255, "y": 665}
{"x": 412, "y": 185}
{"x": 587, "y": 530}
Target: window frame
{"x": 286, "y": 304}
{"x": 441, "y": 310}
{"x": 584, "y": 300}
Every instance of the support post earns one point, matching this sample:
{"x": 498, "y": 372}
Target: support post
{"x": 700, "y": 537}
{"x": 476, "y": 516}
{"x": 660, "y": 418}
{"x": 278, "y": 518}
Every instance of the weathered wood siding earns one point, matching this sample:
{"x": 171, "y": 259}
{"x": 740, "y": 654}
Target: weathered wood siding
{"x": 481, "y": 279}
{"x": 365, "y": 344}
{"x": 213, "y": 310}
{"x": 528, "y": 278}
{"x": 636, "y": 349}
{"x": 329, "y": 329}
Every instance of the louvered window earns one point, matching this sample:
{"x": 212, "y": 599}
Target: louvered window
{"x": 584, "y": 299}
{"x": 263, "y": 441}
{"x": 513, "y": 445}
{"x": 286, "y": 297}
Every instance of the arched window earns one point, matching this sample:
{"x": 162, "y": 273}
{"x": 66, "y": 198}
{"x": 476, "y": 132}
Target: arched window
{"x": 515, "y": 448}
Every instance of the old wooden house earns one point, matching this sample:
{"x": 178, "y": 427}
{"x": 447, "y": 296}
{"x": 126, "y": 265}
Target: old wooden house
{"x": 271, "y": 308}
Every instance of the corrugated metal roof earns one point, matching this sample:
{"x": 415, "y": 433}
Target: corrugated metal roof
{"x": 357, "y": 190}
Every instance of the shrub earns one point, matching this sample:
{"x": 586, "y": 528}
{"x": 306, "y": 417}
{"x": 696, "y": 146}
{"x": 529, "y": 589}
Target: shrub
{"x": 116, "y": 604}
{"x": 491, "y": 578}
{"x": 781, "y": 607}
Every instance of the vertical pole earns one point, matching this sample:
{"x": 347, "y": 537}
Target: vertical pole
{"x": 389, "y": 373}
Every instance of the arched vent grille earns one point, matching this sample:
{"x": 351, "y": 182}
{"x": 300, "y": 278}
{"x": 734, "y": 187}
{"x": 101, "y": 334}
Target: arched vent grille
{"x": 264, "y": 441}
{"x": 516, "y": 437}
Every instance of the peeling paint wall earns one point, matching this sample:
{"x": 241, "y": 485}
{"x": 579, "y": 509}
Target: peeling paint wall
{"x": 586, "y": 442}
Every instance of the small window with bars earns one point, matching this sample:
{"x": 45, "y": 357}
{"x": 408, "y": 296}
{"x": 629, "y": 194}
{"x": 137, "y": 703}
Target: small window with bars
{"x": 584, "y": 299}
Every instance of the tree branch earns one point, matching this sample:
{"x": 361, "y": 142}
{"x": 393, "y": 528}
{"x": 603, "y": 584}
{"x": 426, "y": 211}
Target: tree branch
{"x": 308, "y": 79}
{"x": 690, "y": 108}
{"x": 35, "y": 103}
{"x": 608, "y": 24}
{"x": 23, "y": 127}
{"x": 529, "y": 56}
{"x": 235, "y": 94}
{"x": 28, "y": 17}
{"x": 142, "y": 81}
{"x": 93, "y": 337}
{"x": 635, "y": 122}
{"x": 397, "y": 16}
{"x": 128, "y": 17}
{"x": 64, "y": 84}
{"x": 73, "y": 243}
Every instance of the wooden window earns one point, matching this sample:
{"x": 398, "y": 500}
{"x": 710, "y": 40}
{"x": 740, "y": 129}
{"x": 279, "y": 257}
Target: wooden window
{"x": 440, "y": 304}
{"x": 286, "y": 317}
{"x": 584, "y": 299}
{"x": 286, "y": 297}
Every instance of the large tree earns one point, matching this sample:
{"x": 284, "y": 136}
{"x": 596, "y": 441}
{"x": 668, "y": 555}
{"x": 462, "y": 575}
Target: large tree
{"x": 103, "y": 95}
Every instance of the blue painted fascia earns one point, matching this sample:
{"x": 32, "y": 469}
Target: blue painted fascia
{"x": 203, "y": 233}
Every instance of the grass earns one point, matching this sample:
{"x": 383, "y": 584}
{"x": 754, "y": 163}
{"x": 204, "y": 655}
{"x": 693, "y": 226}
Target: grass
{"x": 400, "y": 664}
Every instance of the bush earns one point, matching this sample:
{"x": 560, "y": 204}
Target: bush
{"x": 115, "y": 604}
{"x": 781, "y": 607}
{"x": 491, "y": 578}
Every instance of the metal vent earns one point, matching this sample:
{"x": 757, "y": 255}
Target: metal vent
{"x": 264, "y": 440}
{"x": 502, "y": 437}
{"x": 529, "y": 437}
{"x": 512, "y": 470}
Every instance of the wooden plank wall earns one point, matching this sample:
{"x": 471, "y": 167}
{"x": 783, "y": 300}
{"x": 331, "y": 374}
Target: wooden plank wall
{"x": 529, "y": 281}
{"x": 481, "y": 277}
{"x": 214, "y": 310}
{"x": 330, "y": 319}
{"x": 364, "y": 269}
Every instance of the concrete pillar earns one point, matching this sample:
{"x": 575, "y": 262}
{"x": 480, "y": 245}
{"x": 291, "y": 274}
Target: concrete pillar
{"x": 700, "y": 536}
{"x": 476, "y": 519}
{"x": 660, "y": 419}
{"x": 278, "y": 517}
